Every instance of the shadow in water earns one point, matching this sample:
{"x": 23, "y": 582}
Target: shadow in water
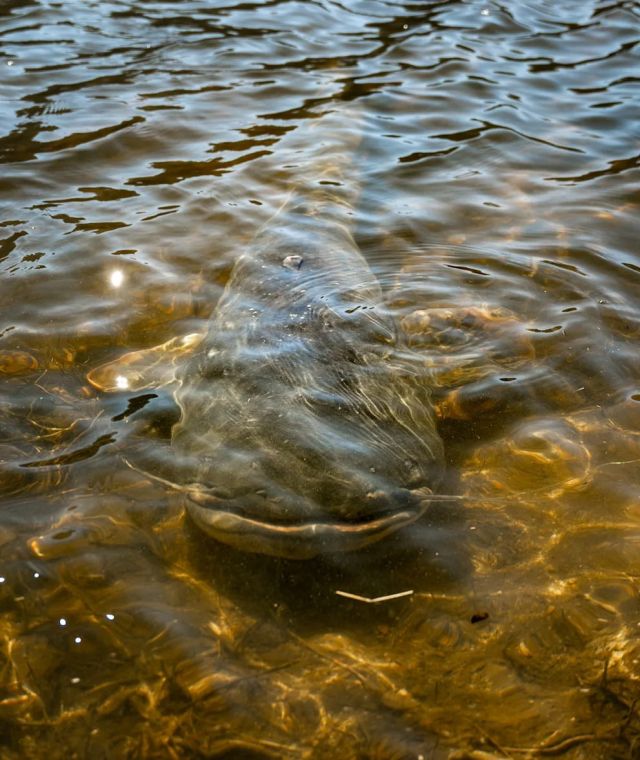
{"x": 428, "y": 556}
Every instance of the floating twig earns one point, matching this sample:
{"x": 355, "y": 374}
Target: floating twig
{"x": 376, "y": 599}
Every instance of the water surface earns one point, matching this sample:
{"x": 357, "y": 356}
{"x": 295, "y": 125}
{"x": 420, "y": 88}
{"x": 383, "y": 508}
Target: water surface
{"x": 497, "y": 171}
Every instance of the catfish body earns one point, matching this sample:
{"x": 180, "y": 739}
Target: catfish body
{"x": 298, "y": 433}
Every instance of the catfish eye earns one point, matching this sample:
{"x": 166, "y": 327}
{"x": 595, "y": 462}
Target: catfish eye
{"x": 414, "y": 476}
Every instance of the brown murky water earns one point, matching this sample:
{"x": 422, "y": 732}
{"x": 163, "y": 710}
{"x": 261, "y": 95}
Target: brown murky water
{"x": 142, "y": 146}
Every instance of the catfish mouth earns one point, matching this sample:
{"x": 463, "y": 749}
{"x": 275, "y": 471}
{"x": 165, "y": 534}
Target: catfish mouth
{"x": 296, "y": 539}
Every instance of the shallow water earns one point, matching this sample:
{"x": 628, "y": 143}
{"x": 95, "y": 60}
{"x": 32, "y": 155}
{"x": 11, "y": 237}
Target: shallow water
{"x": 495, "y": 197}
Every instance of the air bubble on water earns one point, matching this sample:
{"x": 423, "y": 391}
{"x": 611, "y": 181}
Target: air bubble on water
{"x": 484, "y": 12}
{"x": 2, "y": 579}
{"x": 110, "y": 616}
{"x": 78, "y": 640}
{"x": 292, "y": 262}
{"x": 62, "y": 621}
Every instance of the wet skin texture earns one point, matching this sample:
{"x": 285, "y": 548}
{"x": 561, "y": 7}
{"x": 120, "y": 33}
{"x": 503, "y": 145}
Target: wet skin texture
{"x": 298, "y": 433}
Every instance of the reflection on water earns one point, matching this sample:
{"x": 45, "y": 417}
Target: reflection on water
{"x": 494, "y": 197}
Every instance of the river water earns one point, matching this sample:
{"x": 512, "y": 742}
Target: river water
{"x": 497, "y": 170}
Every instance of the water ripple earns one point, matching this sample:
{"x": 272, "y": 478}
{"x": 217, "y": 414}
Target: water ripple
{"x": 493, "y": 190}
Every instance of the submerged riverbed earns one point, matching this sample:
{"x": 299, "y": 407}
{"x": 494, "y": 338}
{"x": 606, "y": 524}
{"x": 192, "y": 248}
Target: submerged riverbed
{"x": 494, "y": 189}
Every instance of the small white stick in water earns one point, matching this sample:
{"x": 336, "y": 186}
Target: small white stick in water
{"x": 374, "y": 600}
